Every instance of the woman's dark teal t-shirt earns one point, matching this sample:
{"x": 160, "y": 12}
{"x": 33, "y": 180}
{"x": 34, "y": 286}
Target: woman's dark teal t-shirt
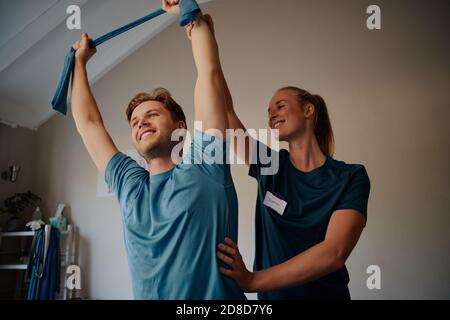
{"x": 311, "y": 198}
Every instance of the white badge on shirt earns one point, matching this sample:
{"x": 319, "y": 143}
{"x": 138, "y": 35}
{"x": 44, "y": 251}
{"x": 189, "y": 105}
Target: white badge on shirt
{"x": 275, "y": 203}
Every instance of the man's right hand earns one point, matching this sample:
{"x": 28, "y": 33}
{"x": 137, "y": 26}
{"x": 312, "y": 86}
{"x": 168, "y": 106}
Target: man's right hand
{"x": 172, "y": 7}
{"x": 83, "y": 52}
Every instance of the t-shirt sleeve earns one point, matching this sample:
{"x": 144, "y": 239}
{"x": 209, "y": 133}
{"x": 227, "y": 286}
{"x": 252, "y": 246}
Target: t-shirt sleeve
{"x": 124, "y": 175}
{"x": 356, "y": 194}
{"x": 265, "y": 161}
{"x": 209, "y": 155}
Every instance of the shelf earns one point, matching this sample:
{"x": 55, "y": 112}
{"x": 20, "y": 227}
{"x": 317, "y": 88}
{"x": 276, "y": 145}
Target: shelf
{"x": 25, "y": 266}
{"x": 17, "y": 234}
{"x": 14, "y": 267}
{"x": 24, "y": 234}
{"x": 28, "y": 234}
{"x": 66, "y": 255}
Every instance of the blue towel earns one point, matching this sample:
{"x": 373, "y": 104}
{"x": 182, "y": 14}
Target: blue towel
{"x": 189, "y": 9}
{"x": 44, "y": 277}
{"x": 49, "y": 283}
{"x": 34, "y": 271}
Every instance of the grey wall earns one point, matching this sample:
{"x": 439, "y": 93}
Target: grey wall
{"x": 388, "y": 99}
{"x": 17, "y": 147}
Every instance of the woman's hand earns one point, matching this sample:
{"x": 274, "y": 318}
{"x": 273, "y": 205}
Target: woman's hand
{"x": 238, "y": 271}
{"x": 82, "y": 51}
{"x": 172, "y": 7}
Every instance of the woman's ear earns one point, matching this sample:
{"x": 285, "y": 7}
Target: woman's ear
{"x": 309, "y": 110}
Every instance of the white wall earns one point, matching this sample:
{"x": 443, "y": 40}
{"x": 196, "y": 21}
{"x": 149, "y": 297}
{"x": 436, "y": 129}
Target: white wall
{"x": 388, "y": 100}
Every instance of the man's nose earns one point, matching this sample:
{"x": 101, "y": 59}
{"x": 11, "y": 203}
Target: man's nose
{"x": 143, "y": 123}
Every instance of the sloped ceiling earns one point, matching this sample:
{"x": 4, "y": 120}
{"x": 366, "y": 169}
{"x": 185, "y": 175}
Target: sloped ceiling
{"x": 34, "y": 39}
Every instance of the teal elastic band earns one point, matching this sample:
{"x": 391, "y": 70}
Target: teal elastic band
{"x": 189, "y": 10}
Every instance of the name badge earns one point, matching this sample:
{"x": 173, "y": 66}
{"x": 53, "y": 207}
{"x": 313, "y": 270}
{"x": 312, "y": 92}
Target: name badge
{"x": 275, "y": 203}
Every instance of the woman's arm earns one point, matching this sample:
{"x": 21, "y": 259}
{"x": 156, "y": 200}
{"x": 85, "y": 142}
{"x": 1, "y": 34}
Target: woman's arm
{"x": 344, "y": 230}
{"x": 242, "y": 142}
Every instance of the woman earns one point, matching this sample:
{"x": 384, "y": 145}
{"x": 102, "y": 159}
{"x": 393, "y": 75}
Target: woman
{"x": 309, "y": 215}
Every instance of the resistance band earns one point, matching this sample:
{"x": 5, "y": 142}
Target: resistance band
{"x": 189, "y": 10}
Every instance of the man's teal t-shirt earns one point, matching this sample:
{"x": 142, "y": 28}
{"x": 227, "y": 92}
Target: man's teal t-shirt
{"x": 311, "y": 198}
{"x": 173, "y": 222}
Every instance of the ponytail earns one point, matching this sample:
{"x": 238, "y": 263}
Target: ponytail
{"x": 322, "y": 125}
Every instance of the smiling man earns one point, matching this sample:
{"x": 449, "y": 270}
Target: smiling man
{"x": 173, "y": 214}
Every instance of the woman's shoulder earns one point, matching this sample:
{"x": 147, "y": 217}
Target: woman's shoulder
{"x": 350, "y": 169}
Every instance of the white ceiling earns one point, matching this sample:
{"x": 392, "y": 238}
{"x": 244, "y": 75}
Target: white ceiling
{"x": 34, "y": 40}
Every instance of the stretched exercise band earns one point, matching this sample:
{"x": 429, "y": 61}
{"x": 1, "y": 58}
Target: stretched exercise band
{"x": 188, "y": 12}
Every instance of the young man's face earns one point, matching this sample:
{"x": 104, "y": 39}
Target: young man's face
{"x": 151, "y": 130}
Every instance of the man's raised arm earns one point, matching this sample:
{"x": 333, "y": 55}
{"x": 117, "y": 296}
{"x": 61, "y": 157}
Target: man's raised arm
{"x": 209, "y": 100}
{"x": 85, "y": 112}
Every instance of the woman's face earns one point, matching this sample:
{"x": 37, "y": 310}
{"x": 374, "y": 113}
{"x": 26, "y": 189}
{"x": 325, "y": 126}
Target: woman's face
{"x": 287, "y": 115}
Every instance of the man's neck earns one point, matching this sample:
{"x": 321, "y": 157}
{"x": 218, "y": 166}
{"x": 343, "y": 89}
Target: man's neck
{"x": 160, "y": 165}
